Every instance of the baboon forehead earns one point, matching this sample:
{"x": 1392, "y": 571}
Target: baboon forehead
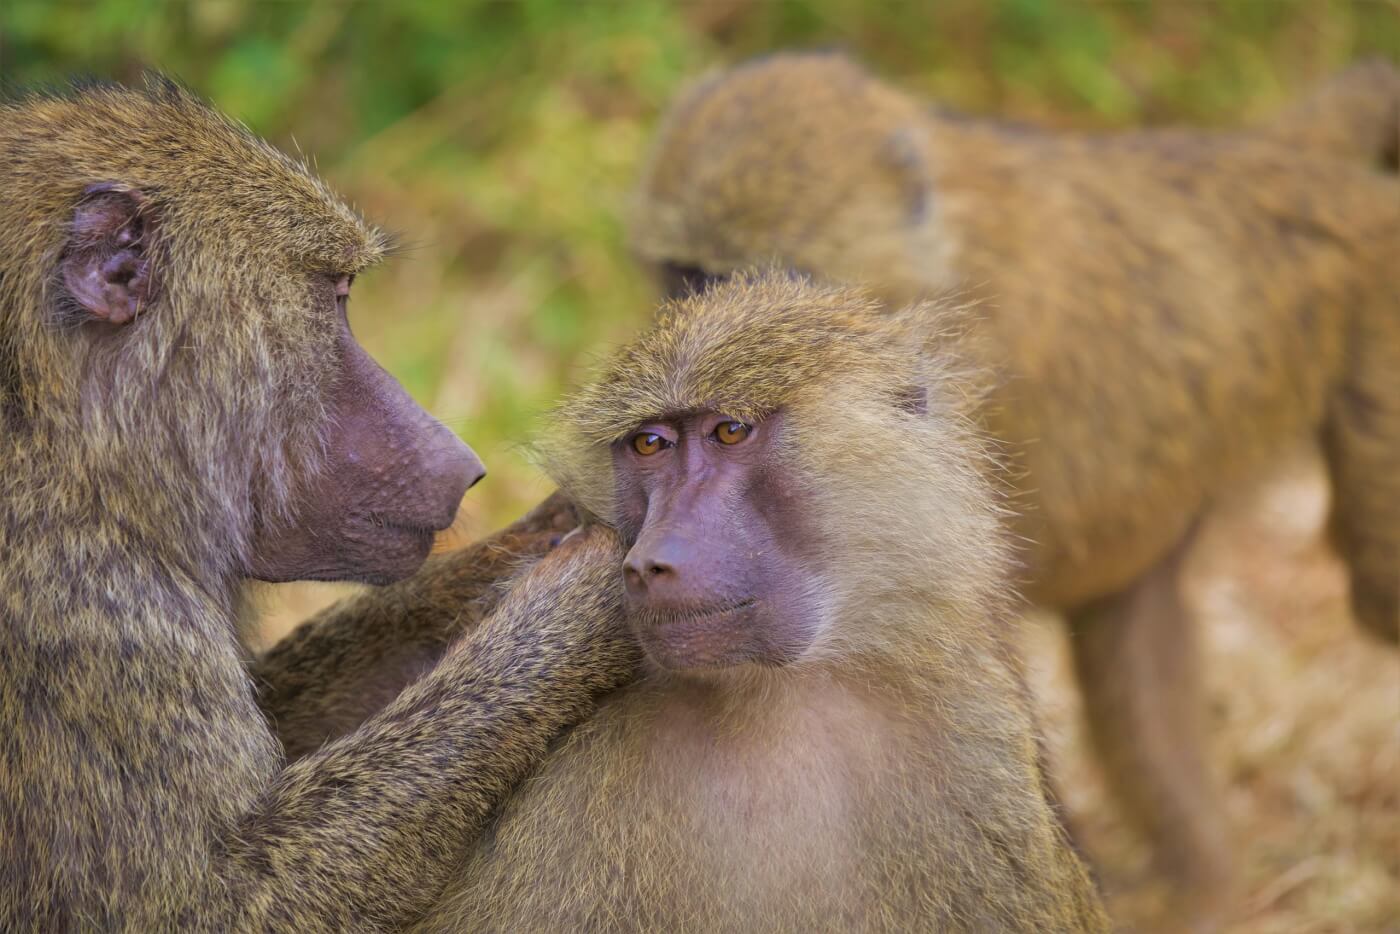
{"x": 731, "y": 112}
{"x": 786, "y": 117}
{"x": 746, "y": 347}
{"x": 213, "y": 179}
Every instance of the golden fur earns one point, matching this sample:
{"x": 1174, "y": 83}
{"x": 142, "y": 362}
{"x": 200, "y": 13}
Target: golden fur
{"x": 887, "y": 780}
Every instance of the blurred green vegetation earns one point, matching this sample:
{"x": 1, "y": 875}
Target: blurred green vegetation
{"x": 500, "y": 138}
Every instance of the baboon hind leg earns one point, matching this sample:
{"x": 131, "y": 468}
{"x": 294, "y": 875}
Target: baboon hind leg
{"x": 1362, "y": 443}
{"x": 1137, "y": 661}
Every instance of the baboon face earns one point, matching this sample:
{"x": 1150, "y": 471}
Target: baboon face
{"x": 716, "y": 574}
{"x": 391, "y": 477}
{"x": 346, "y": 477}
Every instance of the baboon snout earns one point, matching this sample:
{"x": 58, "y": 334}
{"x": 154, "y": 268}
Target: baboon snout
{"x": 668, "y": 569}
{"x": 403, "y": 464}
{"x": 449, "y": 469}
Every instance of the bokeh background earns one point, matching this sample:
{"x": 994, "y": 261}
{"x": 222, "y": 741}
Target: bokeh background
{"x": 500, "y": 140}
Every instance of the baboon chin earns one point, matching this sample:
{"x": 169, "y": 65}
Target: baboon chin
{"x": 832, "y": 732}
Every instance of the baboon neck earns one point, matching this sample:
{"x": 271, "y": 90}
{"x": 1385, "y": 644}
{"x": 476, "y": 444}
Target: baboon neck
{"x": 72, "y": 576}
{"x": 777, "y": 690}
{"x": 68, "y": 537}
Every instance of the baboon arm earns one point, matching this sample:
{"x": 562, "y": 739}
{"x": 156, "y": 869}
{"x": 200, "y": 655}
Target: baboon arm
{"x": 364, "y": 832}
{"x": 329, "y": 675}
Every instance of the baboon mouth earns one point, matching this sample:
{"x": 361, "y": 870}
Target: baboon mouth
{"x": 692, "y": 614}
{"x": 702, "y": 637}
{"x": 401, "y": 525}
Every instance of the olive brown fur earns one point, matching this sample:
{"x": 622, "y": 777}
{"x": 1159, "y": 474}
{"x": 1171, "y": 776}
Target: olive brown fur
{"x": 170, "y": 355}
{"x": 1165, "y": 313}
{"x": 886, "y": 777}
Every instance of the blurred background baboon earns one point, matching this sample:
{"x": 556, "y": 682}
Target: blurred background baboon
{"x": 505, "y": 139}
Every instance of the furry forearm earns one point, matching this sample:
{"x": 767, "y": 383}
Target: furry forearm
{"x": 342, "y": 838}
{"x": 344, "y": 664}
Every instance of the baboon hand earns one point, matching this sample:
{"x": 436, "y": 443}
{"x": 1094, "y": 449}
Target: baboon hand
{"x": 591, "y": 553}
{"x": 573, "y": 593}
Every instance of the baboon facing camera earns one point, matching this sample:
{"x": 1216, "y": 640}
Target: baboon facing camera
{"x": 832, "y": 731}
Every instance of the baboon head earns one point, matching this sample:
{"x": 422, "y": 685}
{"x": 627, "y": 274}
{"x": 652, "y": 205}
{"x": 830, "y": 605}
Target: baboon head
{"x": 173, "y": 331}
{"x": 803, "y": 161}
{"x": 778, "y": 456}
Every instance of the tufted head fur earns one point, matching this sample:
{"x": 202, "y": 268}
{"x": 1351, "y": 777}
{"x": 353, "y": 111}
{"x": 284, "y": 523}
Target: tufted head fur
{"x": 874, "y": 405}
{"x": 238, "y": 336}
{"x": 750, "y": 162}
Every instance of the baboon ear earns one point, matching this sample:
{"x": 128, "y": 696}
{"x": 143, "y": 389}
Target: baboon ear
{"x": 913, "y": 399}
{"x": 905, "y": 155}
{"x": 107, "y": 263}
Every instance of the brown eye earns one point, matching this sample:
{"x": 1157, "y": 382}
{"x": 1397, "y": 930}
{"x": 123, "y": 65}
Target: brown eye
{"x": 731, "y": 432}
{"x": 647, "y": 443}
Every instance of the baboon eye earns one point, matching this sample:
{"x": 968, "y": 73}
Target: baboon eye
{"x": 731, "y": 432}
{"x": 647, "y": 443}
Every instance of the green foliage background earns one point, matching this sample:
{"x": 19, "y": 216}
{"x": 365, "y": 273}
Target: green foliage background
{"x": 501, "y": 137}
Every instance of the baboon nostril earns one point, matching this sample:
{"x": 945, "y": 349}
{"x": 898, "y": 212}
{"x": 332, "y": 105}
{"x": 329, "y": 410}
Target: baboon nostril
{"x": 647, "y": 564}
{"x": 639, "y": 571}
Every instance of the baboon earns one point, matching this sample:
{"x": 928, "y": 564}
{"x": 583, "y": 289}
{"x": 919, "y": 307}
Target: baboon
{"x": 182, "y": 406}
{"x": 1165, "y": 312}
{"x": 831, "y": 731}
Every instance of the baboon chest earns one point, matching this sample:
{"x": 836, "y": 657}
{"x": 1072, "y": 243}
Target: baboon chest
{"x": 670, "y": 822}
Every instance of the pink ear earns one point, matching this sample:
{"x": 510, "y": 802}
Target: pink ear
{"x": 107, "y": 264}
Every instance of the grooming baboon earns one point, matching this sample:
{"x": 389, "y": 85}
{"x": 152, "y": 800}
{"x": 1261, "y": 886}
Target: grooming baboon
{"x": 832, "y": 732}
{"x": 181, "y": 406}
{"x": 1166, "y": 312}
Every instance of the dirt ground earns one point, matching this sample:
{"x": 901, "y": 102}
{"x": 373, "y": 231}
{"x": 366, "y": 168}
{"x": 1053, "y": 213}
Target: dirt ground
{"x": 1305, "y": 716}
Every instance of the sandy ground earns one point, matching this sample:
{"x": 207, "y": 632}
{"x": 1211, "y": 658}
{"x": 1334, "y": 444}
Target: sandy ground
{"x": 1305, "y": 717}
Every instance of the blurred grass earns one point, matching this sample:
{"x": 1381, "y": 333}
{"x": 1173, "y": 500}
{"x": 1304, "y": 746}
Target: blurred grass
{"x": 501, "y": 137}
